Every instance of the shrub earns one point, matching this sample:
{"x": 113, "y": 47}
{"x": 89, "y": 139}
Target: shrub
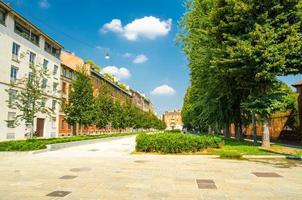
{"x": 176, "y": 143}
{"x": 173, "y": 131}
{"x": 35, "y": 144}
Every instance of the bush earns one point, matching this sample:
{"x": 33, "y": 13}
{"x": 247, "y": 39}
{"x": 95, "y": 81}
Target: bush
{"x": 173, "y": 131}
{"x": 35, "y": 144}
{"x": 176, "y": 143}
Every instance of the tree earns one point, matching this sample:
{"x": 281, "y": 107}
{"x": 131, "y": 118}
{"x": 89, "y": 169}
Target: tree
{"x": 93, "y": 65}
{"x": 28, "y": 96}
{"x": 236, "y": 50}
{"x": 79, "y": 109}
{"x": 103, "y": 112}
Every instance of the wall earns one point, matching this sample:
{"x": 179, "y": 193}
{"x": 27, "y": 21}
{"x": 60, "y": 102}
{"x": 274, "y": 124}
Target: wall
{"x": 7, "y": 37}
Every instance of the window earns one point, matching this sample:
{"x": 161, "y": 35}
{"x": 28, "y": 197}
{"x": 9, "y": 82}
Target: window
{"x": 44, "y": 83}
{"x": 2, "y": 16}
{"x": 34, "y": 38}
{"x": 45, "y": 64}
{"x": 64, "y": 87}
{"x": 69, "y": 126}
{"x": 26, "y": 33}
{"x": 53, "y": 122}
{"x": 62, "y": 124}
{"x": 15, "y": 51}
{"x": 54, "y": 103}
{"x": 70, "y": 74}
{"x": 55, "y": 69}
{"x": 12, "y": 95}
{"x": 32, "y": 58}
{"x": 13, "y": 73}
{"x": 11, "y": 119}
{"x": 52, "y": 50}
{"x": 64, "y": 72}
{"x": 54, "y": 87}
{"x": 63, "y": 103}
{"x": 43, "y": 102}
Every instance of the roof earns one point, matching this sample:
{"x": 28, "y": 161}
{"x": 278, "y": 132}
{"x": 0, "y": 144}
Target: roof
{"x": 299, "y": 83}
{"x": 14, "y": 12}
{"x": 109, "y": 81}
{"x": 70, "y": 60}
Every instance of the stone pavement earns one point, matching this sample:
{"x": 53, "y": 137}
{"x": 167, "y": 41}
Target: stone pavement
{"x": 106, "y": 170}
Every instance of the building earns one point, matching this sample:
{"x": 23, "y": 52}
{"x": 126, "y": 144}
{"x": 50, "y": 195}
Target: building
{"x": 298, "y": 86}
{"x": 117, "y": 91}
{"x": 22, "y": 44}
{"x": 70, "y": 63}
{"x": 173, "y": 120}
{"x": 141, "y": 101}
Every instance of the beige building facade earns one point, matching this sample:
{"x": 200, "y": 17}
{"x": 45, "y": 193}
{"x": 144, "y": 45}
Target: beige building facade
{"x": 22, "y": 44}
{"x": 173, "y": 120}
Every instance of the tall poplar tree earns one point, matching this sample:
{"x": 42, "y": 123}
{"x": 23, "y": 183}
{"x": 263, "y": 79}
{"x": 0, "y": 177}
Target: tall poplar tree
{"x": 79, "y": 109}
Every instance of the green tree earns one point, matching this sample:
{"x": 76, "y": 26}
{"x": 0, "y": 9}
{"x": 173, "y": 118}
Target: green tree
{"x": 236, "y": 49}
{"x": 79, "y": 109}
{"x": 28, "y": 96}
{"x": 103, "y": 111}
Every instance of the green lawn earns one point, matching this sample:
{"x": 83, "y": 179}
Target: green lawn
{"x": 36, "y": 144}
{"x": 233, "y": 148}
{"x": 240, "y": 147}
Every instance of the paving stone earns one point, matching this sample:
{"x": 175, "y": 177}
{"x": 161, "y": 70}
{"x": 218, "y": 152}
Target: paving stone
{"x": 205, "y": 184}
{"x": 58, "y": 193}
{"x": 68, "y": 177}
{"x": 266, "y": 174}
{"x": 82, "y": 169}
{"x": 93, "y": 150}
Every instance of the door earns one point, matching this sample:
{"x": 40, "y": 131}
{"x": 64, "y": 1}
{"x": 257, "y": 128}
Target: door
{"x": 40, "y": 127}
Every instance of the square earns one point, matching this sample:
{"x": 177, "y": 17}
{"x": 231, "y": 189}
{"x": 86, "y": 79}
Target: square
{"x": 58, "y": 193}
{"x": 81, "y": 169}
{"x": 68, "y": 177}
{"x": 206, "y": 184}
{"x": 267, "y": 174}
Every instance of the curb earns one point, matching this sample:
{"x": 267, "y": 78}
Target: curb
{"x": 54, "y": 147}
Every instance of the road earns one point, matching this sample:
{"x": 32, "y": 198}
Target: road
{"x": 107, "y": 170}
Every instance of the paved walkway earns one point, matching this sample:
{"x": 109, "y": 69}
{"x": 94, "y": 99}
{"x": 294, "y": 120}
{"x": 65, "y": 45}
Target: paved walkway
{"x": 107, "y": 171}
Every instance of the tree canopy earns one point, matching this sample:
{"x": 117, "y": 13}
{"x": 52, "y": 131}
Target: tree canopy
{"x": 236, "y": 50}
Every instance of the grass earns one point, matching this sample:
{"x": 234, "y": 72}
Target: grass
{"x": 279, "y": 149}
{"x": 232, "y": 146}
{"x": 36, "y": 144}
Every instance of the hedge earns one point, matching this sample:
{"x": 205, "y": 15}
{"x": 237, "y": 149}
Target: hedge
{"x": 176, "y": 143}
{"x": 36, "y": 144}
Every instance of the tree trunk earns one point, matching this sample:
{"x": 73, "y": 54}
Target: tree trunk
{"x": 236, "y": 131}
{"x": 227, "y": 130}
{"x": 266, "y": 135}
{"x": 81, "y": 129}
{"x": 254, "y": 128}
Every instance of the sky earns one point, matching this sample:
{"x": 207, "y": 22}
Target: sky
{"x": 139, "y": 35}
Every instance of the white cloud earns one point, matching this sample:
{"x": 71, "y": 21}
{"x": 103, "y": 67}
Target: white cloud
{"x": 44, "y": 4}
{"x": 163, "y": 90}
{"x": 147, "y": 27}
{"x": 120, "y": 73}
{"x": 140, "y": 59}
{"x": 114, "y": 26}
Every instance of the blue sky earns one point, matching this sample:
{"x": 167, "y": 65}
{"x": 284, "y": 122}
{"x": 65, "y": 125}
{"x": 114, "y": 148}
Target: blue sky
{"x": 77, "y": 25}
{"x": 140, "y": 36}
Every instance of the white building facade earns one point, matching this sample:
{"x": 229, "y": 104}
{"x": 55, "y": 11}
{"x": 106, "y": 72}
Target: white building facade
{"x": 21, "y": 43}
